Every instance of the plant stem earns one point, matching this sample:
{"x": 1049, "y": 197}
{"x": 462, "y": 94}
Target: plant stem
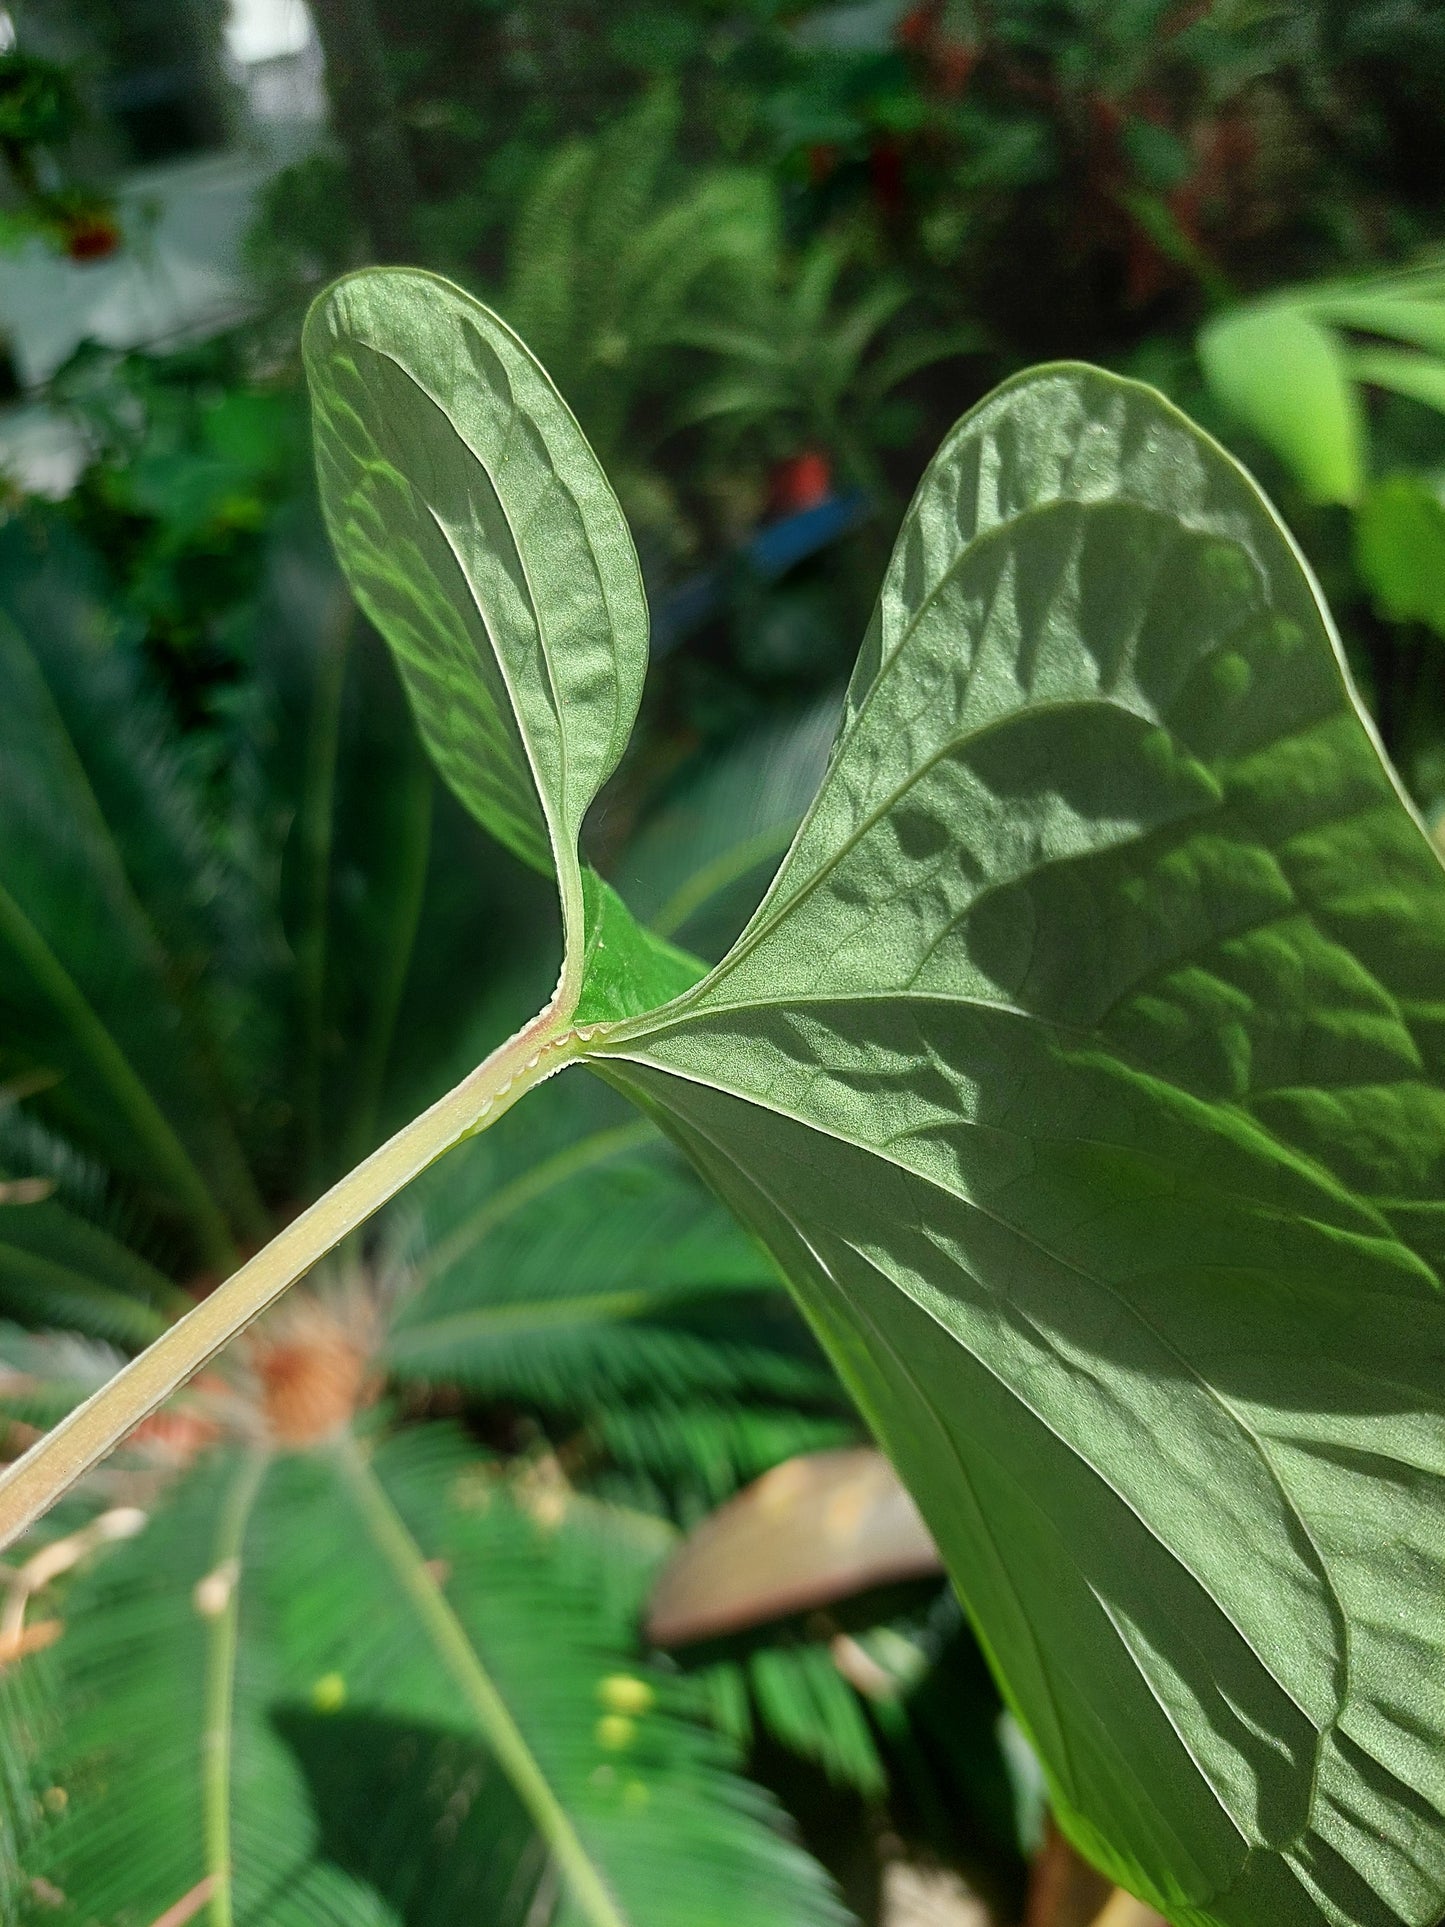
{"x": 454, "y": 1649}
{"x": 80, "y": 1441}
{"x": 151, "y": 1127}
{"x": 221, "y": 1688}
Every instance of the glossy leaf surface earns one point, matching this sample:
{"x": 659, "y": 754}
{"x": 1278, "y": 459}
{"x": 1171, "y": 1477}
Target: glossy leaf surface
{"x": 1082, "y": 1068}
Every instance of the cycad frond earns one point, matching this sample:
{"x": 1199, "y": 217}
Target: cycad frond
{"x": 44, "y": 1375}
{"x": 104, "y": 883}
{"x": 217, "y": 1677}
{"x": 61, "y": 1264}
{"x": 702, "y": 1449}
{"x": 170, "y": 1771}
{"x": 598, "y": 1266}
{"x": 796, "y": 1694}
{"x": 57, "y": 1271}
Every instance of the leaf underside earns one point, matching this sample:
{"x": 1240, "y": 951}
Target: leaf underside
{"x": 482, "y": 538}
{"x": 1082, "y": 1069}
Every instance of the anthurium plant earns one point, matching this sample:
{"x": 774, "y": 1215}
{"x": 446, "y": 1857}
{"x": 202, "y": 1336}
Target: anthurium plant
{"x": 1081, "y": 1068}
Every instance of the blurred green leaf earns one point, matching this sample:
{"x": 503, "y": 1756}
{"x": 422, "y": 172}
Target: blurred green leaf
{"x": 1400, "y": 550}
{"x": 1286, "y": 379}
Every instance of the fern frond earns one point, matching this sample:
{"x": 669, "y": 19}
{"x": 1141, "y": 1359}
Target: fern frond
{"x": 627, "y": 168}
{"x": 537, "y": 298}
{"x": 721, "y": 231}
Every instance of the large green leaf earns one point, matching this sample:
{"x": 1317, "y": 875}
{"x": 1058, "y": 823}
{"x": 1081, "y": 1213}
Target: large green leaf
{"x": 482, "y": 538}
{"x": 1082, "y": 1069}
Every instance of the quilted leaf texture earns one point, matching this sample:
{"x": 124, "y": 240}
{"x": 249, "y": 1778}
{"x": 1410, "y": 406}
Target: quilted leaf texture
{"x": 1082, "y": 1069}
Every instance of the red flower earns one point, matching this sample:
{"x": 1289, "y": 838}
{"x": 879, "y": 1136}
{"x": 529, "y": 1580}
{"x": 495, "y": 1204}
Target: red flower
{"x": 801, "y": 482}
{"x": 91, "y": 236}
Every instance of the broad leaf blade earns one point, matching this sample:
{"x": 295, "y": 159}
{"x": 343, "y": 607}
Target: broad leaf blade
{"x": 1082, "y": 1067}
{"x": 482, "y": 538}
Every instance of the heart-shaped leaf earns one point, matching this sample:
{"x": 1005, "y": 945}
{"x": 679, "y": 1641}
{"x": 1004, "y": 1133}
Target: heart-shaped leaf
{"x": 483, "y": 540}
{"x": 1082, "y": 1068}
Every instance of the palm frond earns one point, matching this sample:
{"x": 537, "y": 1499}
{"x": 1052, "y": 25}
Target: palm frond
{"x": 104, "y": 881}
{"x": 596, "y": 1267}
{"x": 218, "y": 1679}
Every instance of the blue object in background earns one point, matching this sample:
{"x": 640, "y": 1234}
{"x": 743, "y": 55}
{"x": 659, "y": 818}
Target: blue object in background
{"x": 776, "y": 548}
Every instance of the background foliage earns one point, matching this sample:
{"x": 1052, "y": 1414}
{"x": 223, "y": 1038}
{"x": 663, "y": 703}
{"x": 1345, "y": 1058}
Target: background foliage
{"x": 769, "y": 255}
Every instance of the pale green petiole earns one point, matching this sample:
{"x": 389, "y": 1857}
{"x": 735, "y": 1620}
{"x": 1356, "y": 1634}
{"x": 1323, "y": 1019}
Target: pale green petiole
{"x": 35, "y": 1481}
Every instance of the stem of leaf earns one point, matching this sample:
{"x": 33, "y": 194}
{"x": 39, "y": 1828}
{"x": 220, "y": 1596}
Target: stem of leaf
{"x": 221, "y": 1688}
{"x": 115, "y": 1071}
{"x": 80, "y": 1441}
{"x": 477, "y": 1688}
